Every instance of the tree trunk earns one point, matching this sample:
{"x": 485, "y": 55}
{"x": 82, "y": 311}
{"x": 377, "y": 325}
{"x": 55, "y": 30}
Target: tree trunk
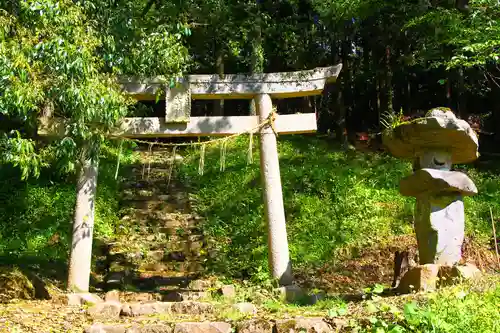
{"x": 388, "y": 89}
{"x": 219, "y": 62}
{"x": 345, "y": 93}
{"x": 83, "y": 226}
{"x": 257, "y": 59}
{"x": 461, "y": 97}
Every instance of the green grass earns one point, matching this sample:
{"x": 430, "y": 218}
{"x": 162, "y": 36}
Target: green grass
{"x": 36, "y": 215}
{"x": 468, "y": 307}
{"x": 333, "y": 200}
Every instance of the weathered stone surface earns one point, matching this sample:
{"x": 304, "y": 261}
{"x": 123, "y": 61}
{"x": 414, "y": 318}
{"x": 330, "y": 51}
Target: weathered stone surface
{"x": 112, "y": 296}
{"x": 427, "y": 182}
{"x": 147, "y": 328}
{"x": 438, "y": 131}
{"x": 467, "y": 271}
{"x": 105, "y": 311}
{"x": 77, "y": 299}
{"x": 309, "y": 325}
{"x": 419, "y": 278}
{"x": 101, "y": 328}
{"x": 150, "y": 328}
{"x": 440, "y": 229}
{"x": 228, "y": 291}
{"x": 434, "y": 159}
{"x": 200, "y": 285}
{"x": 146, "y": 309}
{"x": 291, "y": 293}
{"x": 194, "y": 308}
{"x": 248, "y": 308}
{"x": 255, "y": 326}
{"x": 205, "y": 327}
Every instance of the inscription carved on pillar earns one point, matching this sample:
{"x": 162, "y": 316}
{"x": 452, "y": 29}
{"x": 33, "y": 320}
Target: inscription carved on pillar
{"x": 178, "y": 103}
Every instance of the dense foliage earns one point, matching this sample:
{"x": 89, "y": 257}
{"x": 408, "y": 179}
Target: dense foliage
{"x": 63, "y": 57}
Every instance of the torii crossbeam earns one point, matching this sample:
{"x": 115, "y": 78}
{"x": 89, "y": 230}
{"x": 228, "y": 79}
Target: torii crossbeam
{"x": 178, "y": 123}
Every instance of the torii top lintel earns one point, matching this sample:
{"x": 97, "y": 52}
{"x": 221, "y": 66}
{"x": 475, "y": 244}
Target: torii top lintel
{"x": 240, "y": 86}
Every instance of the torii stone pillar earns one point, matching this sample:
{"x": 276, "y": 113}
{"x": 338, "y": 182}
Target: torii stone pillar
{"x": 83, "y": 227}
{"x": 279, "y": 259}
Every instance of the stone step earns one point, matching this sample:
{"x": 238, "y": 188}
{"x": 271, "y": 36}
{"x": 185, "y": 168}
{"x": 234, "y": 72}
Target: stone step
{"x": 167, "y": 219}
{"x": 157, "y": 206}
{"x": 184, "y": 267}
{"x": 253, "y": 325}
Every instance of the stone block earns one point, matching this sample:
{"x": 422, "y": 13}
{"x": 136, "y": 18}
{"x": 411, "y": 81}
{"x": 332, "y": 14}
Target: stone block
{"x": 205, "y": 327}
{"x": 200, "y": 285}
{"x": 112, "y": 296}
{"x": 291, "y": 293}
{"x": 420, "y": 278}
{"x": 192, "y": 308}
{"x": 146, "y": 309}
{"x": 309, "y": 325}
{"x": 101, "y": 328}
{"x": 150, "y": 328}
{"x": 228, "y": 291}
{"x": 105, "y": 311}
{"x": 247, "y": 308}
{"x": 255, "y": 326}
{"x": 466, "y": 272}
{"x": 78, "y": 299}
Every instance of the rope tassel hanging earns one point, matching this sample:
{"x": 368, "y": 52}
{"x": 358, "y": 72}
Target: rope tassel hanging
{"x": 201, "y": 165}
{"x": 118, "y": 162}
{"x": 171, "y": 166}
{"x": 250, "y": 149}
{"x": 223, "y": 155}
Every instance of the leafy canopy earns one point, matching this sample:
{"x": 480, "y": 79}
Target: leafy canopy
{"x": 61, "y": 57}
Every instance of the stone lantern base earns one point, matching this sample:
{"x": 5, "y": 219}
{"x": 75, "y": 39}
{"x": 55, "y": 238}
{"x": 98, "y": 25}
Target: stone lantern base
{"x": 429, "y": 277}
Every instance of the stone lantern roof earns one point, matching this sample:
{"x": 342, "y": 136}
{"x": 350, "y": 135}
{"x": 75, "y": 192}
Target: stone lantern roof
{"x": 438, "y": 131}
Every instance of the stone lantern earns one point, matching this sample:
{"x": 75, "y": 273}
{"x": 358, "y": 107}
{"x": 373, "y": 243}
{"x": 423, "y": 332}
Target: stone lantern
{"x": 434, "y": 143}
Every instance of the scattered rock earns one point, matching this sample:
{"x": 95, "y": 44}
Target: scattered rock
{"x": 150, "y": 328}
{"x": 105, "y": 311}
{"x": 291, "y": 293}
{"x": 309, "y": 325}
{"x": 200, "y": 285}
{"x": 146, "y": 309}
{"x": 255, "y": 326}
{"x": 315, "y": 298}
{"x": 112, "y": 296}
{"x": 205, "y": 327}
{"x": 78, "y": 299}
{"x": 193, "y": 308}
{"x": 247, "y": 308}
{"x": 100, "y": 328}
{"x": 156, "y": 255}
{"x": 419, "y": 278}
{"x": 467, "y": 271}
{"x": 228, "y": 291}
{"x": 173, "y": 296}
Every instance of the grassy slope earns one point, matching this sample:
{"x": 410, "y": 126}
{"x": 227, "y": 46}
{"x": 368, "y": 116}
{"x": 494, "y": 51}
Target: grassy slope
{"x": 333, "y": 200}
{"x": 36, "y": 216}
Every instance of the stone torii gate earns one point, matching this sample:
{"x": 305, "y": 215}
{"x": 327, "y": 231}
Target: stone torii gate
{"x": 178, "y": 123}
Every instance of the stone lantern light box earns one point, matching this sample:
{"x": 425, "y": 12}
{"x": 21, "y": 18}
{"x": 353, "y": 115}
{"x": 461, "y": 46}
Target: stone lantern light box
{"x": 434, "y": 143}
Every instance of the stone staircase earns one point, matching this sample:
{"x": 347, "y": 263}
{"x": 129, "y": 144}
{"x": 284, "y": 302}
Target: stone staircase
{"x": 158, "y": 246}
